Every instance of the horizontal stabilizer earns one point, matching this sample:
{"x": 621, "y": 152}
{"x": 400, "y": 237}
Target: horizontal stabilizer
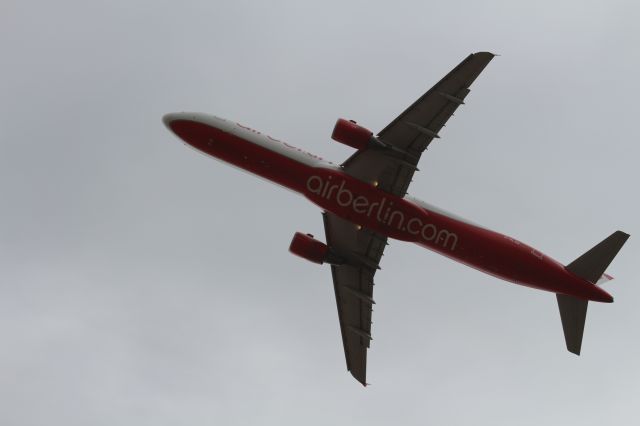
{"x": 573, "y": 312}
{"x": 593, "y": 263}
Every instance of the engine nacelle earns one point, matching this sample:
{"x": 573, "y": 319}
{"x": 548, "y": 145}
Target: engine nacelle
{"x": 307, "y": 247}
{"x": 350, "y": 133}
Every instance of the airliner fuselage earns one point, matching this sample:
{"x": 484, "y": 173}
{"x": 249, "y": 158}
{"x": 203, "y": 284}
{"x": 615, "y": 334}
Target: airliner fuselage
{"x": 368, "y": 207}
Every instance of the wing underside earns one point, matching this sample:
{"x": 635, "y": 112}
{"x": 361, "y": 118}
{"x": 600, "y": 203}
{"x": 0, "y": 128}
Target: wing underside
{"x": 392, "y": 167}
{"x": 412, "y": 131}
{"x": 353, "y": 285}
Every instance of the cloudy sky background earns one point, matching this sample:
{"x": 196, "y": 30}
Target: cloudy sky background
{"x": 144, "y": 284}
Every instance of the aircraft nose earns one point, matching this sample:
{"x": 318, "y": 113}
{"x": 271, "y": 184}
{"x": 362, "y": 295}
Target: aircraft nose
{"x": 182, "y": 125}
{"x": 169, "y": 119}
{"x": 195, "y": 129}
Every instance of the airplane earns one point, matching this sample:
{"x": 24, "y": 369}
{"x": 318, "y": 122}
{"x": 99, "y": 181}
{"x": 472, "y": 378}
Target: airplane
{"x": 364, "y": 202}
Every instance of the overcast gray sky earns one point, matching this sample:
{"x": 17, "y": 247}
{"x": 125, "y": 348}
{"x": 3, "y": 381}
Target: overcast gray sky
{"x": 144, "y": 284}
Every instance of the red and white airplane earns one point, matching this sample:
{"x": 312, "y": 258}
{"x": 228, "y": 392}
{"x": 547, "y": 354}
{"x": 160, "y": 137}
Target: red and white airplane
{"x": 364, "y": 202}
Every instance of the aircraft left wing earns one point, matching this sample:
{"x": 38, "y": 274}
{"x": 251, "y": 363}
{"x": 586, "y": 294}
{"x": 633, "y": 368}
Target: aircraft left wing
{"x": 353, "y": 285}
{"x": 409, "y": 134}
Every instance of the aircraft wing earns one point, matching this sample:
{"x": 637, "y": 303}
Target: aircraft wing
{"x": 353, "y": 285}
{"x": 413, "y": 130}
{"x": 392, "y": 168}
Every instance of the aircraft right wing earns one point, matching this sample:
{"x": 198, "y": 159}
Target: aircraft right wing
{"x": 353, "y": 285}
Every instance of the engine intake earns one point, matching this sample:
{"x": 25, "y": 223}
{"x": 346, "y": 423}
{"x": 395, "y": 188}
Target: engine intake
{"x": 307, "y": 247}
{"x": 350, "y": 133}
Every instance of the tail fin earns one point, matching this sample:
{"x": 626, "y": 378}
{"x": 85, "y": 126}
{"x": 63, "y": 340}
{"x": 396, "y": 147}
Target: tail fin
{"x": 591, "y": 267}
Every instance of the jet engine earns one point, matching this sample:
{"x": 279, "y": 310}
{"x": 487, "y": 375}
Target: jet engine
{"x": 307, "y": 247}
{"x": 350, "y": 133}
